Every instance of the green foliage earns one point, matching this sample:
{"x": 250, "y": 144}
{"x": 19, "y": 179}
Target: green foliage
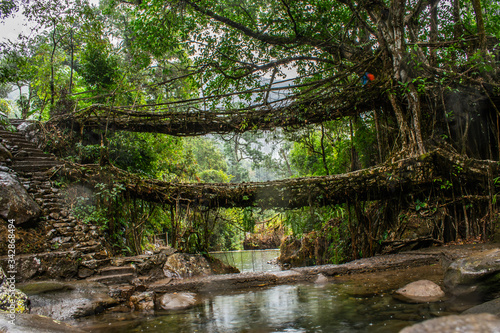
{"x": 96, "y": 209}
{"x": 5, "y": 107}
{"x": 214, "y": 176}
{"x": 420, "y": 205}
{"x": 328, "y": 151}
{"x": 98, "y": 66}
{"x": 248, "y": 220}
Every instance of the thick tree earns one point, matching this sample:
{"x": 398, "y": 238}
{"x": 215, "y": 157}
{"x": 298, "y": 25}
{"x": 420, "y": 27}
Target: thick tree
{"x": 258, "y": 55}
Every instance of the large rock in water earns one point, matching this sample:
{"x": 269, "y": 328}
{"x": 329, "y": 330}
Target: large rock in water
{"x": 177, "y": 301}
{"x": 477, "y": 275}
{"x": 68, "y": 300}
{"x": 492, "y": 307}
{"x": 421, "y": 291}
{"x": 472, "y": 323}
{"x": 144, "y": 301}
{"x": 186, "y": 265}
{"x": 15, "y": 202}
{"x": 31, "y": 323}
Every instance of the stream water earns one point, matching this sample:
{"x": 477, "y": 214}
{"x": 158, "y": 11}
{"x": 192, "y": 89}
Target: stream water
{"x": 357, "y": 303}
{"x": 250, "y": 260}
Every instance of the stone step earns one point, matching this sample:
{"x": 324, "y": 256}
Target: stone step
{"x": 19, "y": 141}
{"x": 16, "y": 122}
{"x": 90, "y": 248}
{"x": 35, "y": 160}
{"x": 27, "y": 168}
{"x": 114, "y": 270}
{"x": 113, "y": 279}
{"x": 8, "y": 134}
{"x": 32, "y": 153}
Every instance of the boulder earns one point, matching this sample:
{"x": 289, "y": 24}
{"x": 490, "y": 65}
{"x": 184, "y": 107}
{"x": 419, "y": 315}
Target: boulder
{"x": 492, "y": 307}
{"x": 421, "y": 291}
{"x": 186, "y": 265}
{"x": 472, "y": 323}
{"x": 32, "y": 323}
{"x": 477, "y": 275}
{"x": 290, "y": 254}
{"x": 68, "y": 300}
{"x": 49, "y": 265}
{"x": 26, "y": 126}
{"x": 321, "y": 279}
{"x": 12, "y": 300}
{"x": 177, "y": 301}
{"x": 144, "y": 301}
{"x": 15, "y": 202}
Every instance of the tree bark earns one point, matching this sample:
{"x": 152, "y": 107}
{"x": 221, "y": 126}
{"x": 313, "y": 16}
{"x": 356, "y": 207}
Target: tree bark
{"x": 480, "y": 24}
{"x": 433, "y": 30}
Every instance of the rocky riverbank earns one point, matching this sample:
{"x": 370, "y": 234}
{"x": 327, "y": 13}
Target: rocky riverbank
{"x": 175, "y": 281}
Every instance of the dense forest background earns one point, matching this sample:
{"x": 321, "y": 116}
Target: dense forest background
{"x": 436, "y": 85}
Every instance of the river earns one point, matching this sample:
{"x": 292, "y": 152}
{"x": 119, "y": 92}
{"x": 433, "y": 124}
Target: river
{"x": 250, "y": 260}
{"x": 356, "y": 303}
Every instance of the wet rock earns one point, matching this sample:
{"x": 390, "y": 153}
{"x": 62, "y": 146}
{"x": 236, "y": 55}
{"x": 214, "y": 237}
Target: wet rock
{"x": 84, "y": 272}
{"x": 32, "y": 323}
{"x": 477, "y": 275}
{"x": 290, "y": 252}
{"x": 49, "y": 265}
{"x": 13, "y": 300}
{"x": 177, "y": 301}
{"x": 472, "y": 323}
{"x": 492, "y": 307}
{"x": 421, "y": 291}
{"x": 67, "y": 300}
{"x": 218, "y": 267}
{"x": 187, "y": 265}
{"x": 28, "y": 268}
{"x": 143, "y": 302}
{"x": 321, "y": 279}
{"x": 15, "y": 202}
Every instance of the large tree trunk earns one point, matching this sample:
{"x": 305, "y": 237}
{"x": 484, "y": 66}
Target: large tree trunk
{"x": 480, "y": 24}
{"x": 391, "y": 34}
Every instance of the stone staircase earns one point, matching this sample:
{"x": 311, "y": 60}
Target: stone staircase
{"x": 34, "y": 169}
{"x": 115, "y": 275}
{"x": 28, "y": 158}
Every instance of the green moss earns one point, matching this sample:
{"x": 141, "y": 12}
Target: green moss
{"x": 16, "y": 298}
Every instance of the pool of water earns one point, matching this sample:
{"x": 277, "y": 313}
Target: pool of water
{"x": 250, "y": 260}
{"x": 361, "y": 303}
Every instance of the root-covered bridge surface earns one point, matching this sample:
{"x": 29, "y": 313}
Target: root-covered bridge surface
{"x": 438, "y": 170}
{"x": 190, "y": 119}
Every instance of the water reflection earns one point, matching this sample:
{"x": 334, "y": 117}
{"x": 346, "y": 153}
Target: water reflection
{"x": 361, "y": 304}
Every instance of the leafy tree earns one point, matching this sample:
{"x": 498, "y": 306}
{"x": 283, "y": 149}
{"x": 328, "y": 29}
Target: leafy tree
{"x": 328, "y": 43}
{"x": 98, "y": 66}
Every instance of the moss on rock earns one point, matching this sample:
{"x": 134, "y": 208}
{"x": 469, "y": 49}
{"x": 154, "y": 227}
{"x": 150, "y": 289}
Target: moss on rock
{"x": 12, "y": 299}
